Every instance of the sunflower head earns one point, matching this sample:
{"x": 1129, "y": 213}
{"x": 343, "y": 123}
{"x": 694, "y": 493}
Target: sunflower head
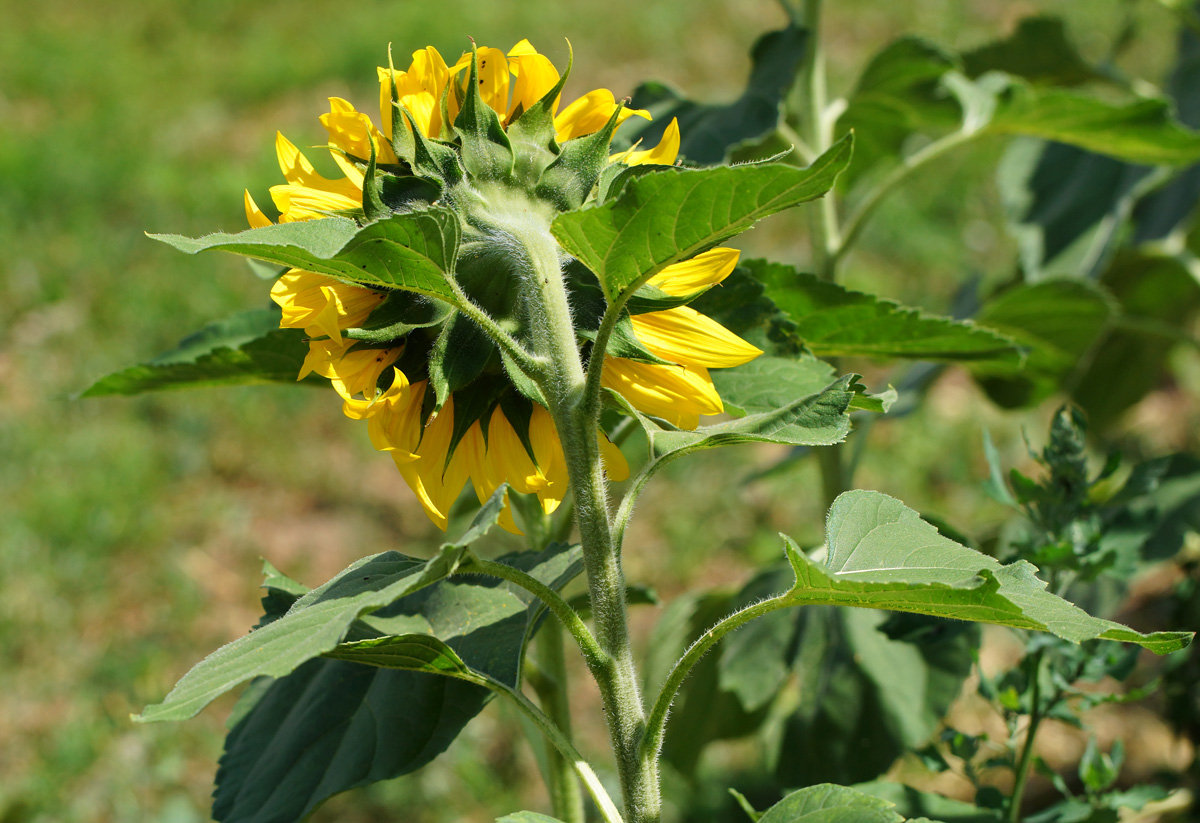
{"x": 487, "y": 141}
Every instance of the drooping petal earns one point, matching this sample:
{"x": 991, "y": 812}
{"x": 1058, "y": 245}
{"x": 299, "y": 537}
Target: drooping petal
{"x": 616, "y": 467}
{"x": 664, "y": 154}
{"x": 589, "y": 113}
{"x": 484, "y": 479}
{"x": 254, "y": 215}
{"x": 677, "y": 394}
{"x": 700, "y": 272}
{"x": 508, "y": 457}
{"x": 321, "y": 305}
{"x": 534, "y": 75}
{"x": 684, "y": 335}
{"x": 442, "y": 480}
{"x": 547, "y": 449}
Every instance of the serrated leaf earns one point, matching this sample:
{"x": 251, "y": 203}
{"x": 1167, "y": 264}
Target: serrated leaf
{"x": 830, "y": 804}
{"x": 1037, "y": 50}
{"x": 314, "y": 732}
{"x": 316, "y": 623}
{"x": 710, "y": 133}
{"x": 883, "y": 555}
{"x": 1056, "y": 322}
{"x": 246, "y": 348}
{"x": 666, "y": 217}
{"x": 818, "y": 419}
{"x": 768, "y": 383}
{"x": 414, "y": 251}
{"x": 834, "y": 321}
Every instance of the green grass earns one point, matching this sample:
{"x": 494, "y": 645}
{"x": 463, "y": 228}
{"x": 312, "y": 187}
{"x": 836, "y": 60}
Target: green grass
{"x": 131, "y": 528}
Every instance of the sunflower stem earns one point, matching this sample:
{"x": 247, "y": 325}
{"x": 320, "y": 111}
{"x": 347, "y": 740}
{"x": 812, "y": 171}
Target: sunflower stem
{"x": 576, "y": 415}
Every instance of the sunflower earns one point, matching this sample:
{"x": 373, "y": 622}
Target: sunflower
{"x": 389, "y": 372}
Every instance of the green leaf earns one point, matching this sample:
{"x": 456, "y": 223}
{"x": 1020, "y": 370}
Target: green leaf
{"x": 415, "y": 251}
{"x": 1143, "y": 131}
{"x": 710, "y": 133}
{"x": 740, "y": 304}
{"x": 316, "y": 623}
{"x": 1156, "y": 509}
{"x": 818, "y": 419}
{"x": 899, "y": 94}
{"x": 1056, "y": 322}
{"x": 667, "y": 217}
{"x": 883, "y": 555}
{"x": 1038, "y": 50}
{"x": 870, "y": 697}
{"x": 527, "y": 817}
{"x": 911, "y": 802}
{"x": 460, "y": 354}
{"x": 768, "y": 383}
{"x": 1159, "y": 298}
{"x": 830, "y": 804}
{"x": 836, "y": 322}
{"x": 1055, "y": 194}
{"x": 246, "y": 348}
{"x": 315, "y": 731}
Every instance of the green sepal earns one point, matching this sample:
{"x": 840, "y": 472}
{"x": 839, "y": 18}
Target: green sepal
{"x": 624, "y": 343}
{"x": 401, "y": 193}
{"x": 433, "y": 159}
{"x": 398, "y": 315}
{"x": 460, "y": 355}
{"x": 569, "y": 179}
{"x": 475, "y": 405}
{"x": 486, "y": 151}
{"x": 518, "y": 410}
{"x": 588, "y": 302}
{"x": 373, "y": 205}
{"x": 403, "y": 143}
{"x": 532, "y": 132}
{"x": 613, "y": 178}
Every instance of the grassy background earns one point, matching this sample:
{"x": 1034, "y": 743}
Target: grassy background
{"x": 130, "y": 530}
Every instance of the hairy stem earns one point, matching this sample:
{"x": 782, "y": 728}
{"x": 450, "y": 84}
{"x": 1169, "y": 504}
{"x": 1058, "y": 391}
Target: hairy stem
{"x": 1026, "y": 759}
{"x": 656, "y": 723}
{"x": 554, "y": 695}
{"x": 573, "y": 400}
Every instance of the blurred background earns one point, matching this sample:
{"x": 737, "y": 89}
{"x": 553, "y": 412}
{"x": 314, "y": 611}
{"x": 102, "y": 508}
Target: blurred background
{"x": 131, "y": 530}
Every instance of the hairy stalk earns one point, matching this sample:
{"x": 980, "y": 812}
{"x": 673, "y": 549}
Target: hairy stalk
{"x": 1026, "y": 759}
{"x": 576, "y": 414}
{"x": 554, "y": 695}
{"x": 818, "y": 137}
{"x": 656, "y": 724}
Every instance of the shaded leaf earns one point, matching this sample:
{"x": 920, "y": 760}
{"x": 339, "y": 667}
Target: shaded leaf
{"x": 1037, "y": 50}
{"x": 1056, "y": 322}
{"x": 910, "y": 802}
{"x": 710, "y": 133}
{"x": 768, "y": 383}
{"x": 246, "y": 348}
{"x": 666, "y": 217}
{"x": 834, "y": 321}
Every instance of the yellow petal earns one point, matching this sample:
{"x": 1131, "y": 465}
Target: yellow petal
{"x": 308, "y": 194}
{"x": 305, "y": 299}
{"x": 677, "y": 394}
{"x": 535, "y": 77}
{"x": 419, "y": 90}
{"x": 358, "y": 370}
{"x": 589, "y": 113}
{"x": 684, "y": 335}
{"x": 508, "y": 457}
{"x": 442, "y": 480}
{"x": 700, "y": 272}
{"x": 254, "y": 215}
{"x": 353, "y": 132}
{"x": 369, "y": 407}
{"x": 396, "y": 427}
{"x": 483, "y": 478}
{"x": 615, "y": 464}
{"x": 547, "y": 449}
{"x": 664, "y": 154}
{"x": 493, "y": 76}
